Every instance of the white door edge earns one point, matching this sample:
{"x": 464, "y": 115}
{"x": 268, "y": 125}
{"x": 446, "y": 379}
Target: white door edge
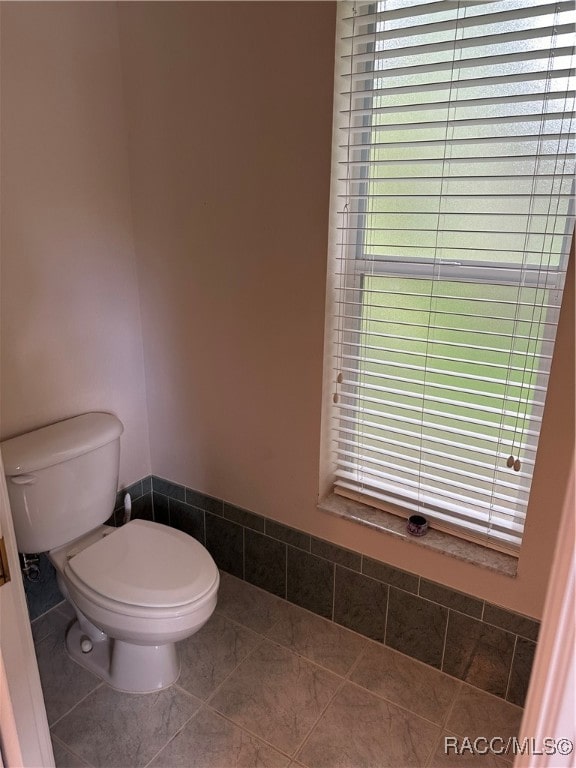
{"x": 24, "y": 732}
{"x": 550, "y": 711}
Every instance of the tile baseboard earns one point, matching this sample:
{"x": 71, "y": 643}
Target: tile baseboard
{"x": 421, "y": 618}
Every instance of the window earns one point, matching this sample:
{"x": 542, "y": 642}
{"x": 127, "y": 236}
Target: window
{"x": 453, "y": 217}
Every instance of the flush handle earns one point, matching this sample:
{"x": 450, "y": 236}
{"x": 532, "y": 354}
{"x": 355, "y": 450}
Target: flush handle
{"x": 23, "y": 479}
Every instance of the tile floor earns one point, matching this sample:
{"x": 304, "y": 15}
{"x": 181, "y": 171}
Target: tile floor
{"x": 266, "y": 684}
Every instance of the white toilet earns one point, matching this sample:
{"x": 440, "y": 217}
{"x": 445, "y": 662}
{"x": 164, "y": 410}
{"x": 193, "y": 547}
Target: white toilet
{"x": 137, "y": 589}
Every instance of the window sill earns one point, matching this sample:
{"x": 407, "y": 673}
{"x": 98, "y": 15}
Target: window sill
{"x": 448, "y": 545}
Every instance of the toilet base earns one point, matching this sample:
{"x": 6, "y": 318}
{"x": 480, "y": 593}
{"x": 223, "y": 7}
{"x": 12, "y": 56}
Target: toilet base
{"x": 124, "y": 666}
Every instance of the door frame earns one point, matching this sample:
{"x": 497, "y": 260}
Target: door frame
{"x": 24, "y": 732}
{"x": 550, "y": 710}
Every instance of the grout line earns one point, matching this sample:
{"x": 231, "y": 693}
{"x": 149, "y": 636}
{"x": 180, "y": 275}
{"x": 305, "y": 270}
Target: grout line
{"x": 265, "y": 637}
{"x": 50, "y": 630}
{"x": 510, "y": 631}
{"x": 285, "y": 571}
{"x": 395, "y": 704}
{"x": 238, "y": 624}
{"x": 100, "y": 684}
{"x": 386, "y": 616}
{"x": 510, "y": 670}
{"x": 266, "y": 633}
{"x": 170, "y": 740}
{"x": 246, "y": 730}
{"x": 460, "y": 683}
{"x": 445, "y": 639}
{"x": 333, "y": 615}
{"x": 64, "y": 745}
{"x": 52, "y": 608}
{"x": 356, "y": 663}
{"x": 450, "y": 709}
{"x": 487, "y": 693}
{"x": 229, "y": 675}
{"x": 243, "y": 552}
{"x": 435, "y": 745}
{"x": 302, "y": 743}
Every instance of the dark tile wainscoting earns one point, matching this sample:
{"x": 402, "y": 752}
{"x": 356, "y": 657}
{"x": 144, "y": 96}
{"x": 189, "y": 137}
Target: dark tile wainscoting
{"x": 483, "y": 644}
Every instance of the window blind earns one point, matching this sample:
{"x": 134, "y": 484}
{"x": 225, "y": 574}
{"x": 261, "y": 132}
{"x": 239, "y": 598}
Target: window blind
{"x": 454, "y": 190}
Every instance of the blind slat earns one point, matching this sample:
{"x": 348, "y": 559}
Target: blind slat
{"x": 422, "y": 470}
{"x": 385, "y": 370}
{"x": 377, "y": 92}
{"x": 462, "y": 23}
{"x": 411, "y": 10}
{"x": 543, "y": 32}
{"x": 424, "y": 431}
{"x": 443, "y": 419}
{"x": 429, "y": 447}
{"x": 456, "y": 142}
{"x": 449, "y": 65}
{"x": 504, "y": 38}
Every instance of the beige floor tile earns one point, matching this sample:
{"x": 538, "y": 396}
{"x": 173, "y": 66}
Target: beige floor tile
{"x": 275, "y": 674}
{"x": 209, "y": 656}
{"x": 65, "y": 759}
{"x": 406, "y": 682}
{"x": 317, "y": 639}
{"x": 211, "y": 741}
{"x": 248, "y": 605}
{"x": 64, "y": 683}
{"x": 55, "y": 620}
{"x": 476, "y": 713}
{"x": 277, "y": 695}
{"x": 110, "y": 729}
{"x": 361, "y": 730}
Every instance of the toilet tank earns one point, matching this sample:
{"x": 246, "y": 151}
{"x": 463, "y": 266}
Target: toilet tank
{"x": 62, "y": 479}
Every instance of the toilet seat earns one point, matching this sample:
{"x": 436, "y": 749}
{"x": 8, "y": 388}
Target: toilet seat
{"x": 144, "y": 568}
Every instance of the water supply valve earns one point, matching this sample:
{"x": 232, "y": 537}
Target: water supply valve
{"x": 30, "y": 567}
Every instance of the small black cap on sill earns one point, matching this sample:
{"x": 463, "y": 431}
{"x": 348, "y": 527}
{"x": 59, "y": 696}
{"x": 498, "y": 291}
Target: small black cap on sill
{"x": 417, "y": 525}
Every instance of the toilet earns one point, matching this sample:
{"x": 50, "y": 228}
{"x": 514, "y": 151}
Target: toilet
{"x": 136, "y": 590}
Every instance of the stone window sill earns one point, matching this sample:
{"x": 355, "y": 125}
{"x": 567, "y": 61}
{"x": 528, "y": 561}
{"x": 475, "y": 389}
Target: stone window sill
{"x": 390, "y": 524}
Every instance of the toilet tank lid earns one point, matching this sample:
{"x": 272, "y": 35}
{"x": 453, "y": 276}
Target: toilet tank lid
{"x": 59, "y": 442}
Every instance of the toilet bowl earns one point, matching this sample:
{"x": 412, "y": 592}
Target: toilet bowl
{"x": 136, "y": 590}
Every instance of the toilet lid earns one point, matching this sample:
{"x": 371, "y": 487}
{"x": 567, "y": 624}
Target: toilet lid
{"x": 146, "y": 564}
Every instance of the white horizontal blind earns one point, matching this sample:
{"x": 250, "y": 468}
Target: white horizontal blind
{"x": 455, "y": 191}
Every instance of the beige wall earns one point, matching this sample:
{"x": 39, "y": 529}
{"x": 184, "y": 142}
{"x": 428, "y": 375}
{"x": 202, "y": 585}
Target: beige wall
{"x": 229, "y": 107}
{"x": 229, "y": 122}
{"x": 70, "y": 317}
